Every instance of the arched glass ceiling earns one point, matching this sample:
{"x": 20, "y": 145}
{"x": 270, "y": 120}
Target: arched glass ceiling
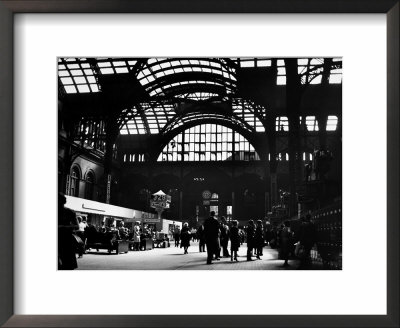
{"x": 146, "y": 118}
{"x": 79, "y": 75}
{"x": 194, "y": 117}
{"x": 247, "y": 112}
{"x": 153, "y": 117}
{"x": 208, "y": 142}
{"x": 196, "y": 79}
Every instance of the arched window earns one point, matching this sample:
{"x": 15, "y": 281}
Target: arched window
{"x": 208, "y": 142}
{"x": 75, "y": 178}
{"x": 89, "y": 185}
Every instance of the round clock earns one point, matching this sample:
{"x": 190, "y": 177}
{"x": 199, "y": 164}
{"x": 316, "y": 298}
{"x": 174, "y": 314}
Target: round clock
{"x": 206, "y": 194}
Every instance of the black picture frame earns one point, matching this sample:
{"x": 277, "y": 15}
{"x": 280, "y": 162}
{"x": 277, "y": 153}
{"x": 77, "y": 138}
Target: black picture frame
{"x": 10, "y": 7}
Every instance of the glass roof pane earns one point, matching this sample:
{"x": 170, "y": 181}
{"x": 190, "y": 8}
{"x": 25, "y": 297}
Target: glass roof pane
{"x": 263, "y": 62}
{"x": 76, "y": 72}
{"x": 83, "y": 88}
{"x": 104, "y": 64}
{"x": 70, "y": 89}
{"x": 107, "y": 70}
{"x": 302, "y": 61}
{"x": 94, "y": 87}
{"x": 63, "y": 73}
{"x": 248, "y": 63}
{"x": 66, "y": 80}
{"x": 79, "y": 79}
{"x": 335, "y": 78}
{"x": 119, "y": 63}
{"x": 121, "y": 70}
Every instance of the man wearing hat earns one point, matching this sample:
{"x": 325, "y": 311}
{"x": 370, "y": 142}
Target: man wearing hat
{"x": 211, "y": 232}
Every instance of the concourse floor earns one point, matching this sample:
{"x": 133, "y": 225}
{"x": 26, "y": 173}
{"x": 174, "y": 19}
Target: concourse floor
{"x": 172, "y": 258}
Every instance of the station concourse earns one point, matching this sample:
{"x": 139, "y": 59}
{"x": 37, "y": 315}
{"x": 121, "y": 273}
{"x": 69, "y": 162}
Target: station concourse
{"x": 246, "y": 138}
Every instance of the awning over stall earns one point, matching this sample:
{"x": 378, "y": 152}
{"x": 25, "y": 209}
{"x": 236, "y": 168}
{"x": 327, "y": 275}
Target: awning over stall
{"x": 89, "y": 206}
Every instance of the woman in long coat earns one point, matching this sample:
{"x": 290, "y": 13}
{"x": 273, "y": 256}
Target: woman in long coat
{"x": 235, "y": 240}
{"x": 284, "y": 243}
{"x": 250, "y": 239}
{"x": 259, "y": 239}
{"x": 185, "y": 237}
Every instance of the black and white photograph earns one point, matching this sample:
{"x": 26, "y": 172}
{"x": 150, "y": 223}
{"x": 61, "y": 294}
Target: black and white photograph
{"x": 199, "y": 163}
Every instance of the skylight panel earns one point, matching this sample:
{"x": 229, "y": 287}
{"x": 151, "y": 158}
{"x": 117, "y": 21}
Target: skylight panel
{"x": 302, "y": 61}
{"x": 121, "y": 70}
{"x": 119, "y": 63}
{"x": 66, "y": 80}
{"x": 335, "y": 79}
{"x": 94, "y": 88}
{"x": 301, "y": 69}
{"x": 156, "y": 67}
{"x": 76, "y": 72}
{"x": 88, "y": 72}
{"x": 79, "y": 80}
{"x": 165, "y": 64}
{"x": 317, "y": 61}
{"x": 83, "y": 88}
{"x": 107, "y": 70}
{"x": 247, "y": 63}
{"x": 159, "y": 74}
{"x": 263, "y": 62}
{"x": 63, "y": 73}
{"x": 194, "y": 62}
{"x": 70, "y": 89}
{"x": 316, "y": 80}
{"x": 91, "y": 79}
{"x": 104, "y": 64}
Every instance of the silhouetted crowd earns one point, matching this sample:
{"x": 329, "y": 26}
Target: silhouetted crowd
{"x": 214, "y": 236}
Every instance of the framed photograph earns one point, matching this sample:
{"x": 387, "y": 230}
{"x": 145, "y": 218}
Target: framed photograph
{"x": 208, "y": 154}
